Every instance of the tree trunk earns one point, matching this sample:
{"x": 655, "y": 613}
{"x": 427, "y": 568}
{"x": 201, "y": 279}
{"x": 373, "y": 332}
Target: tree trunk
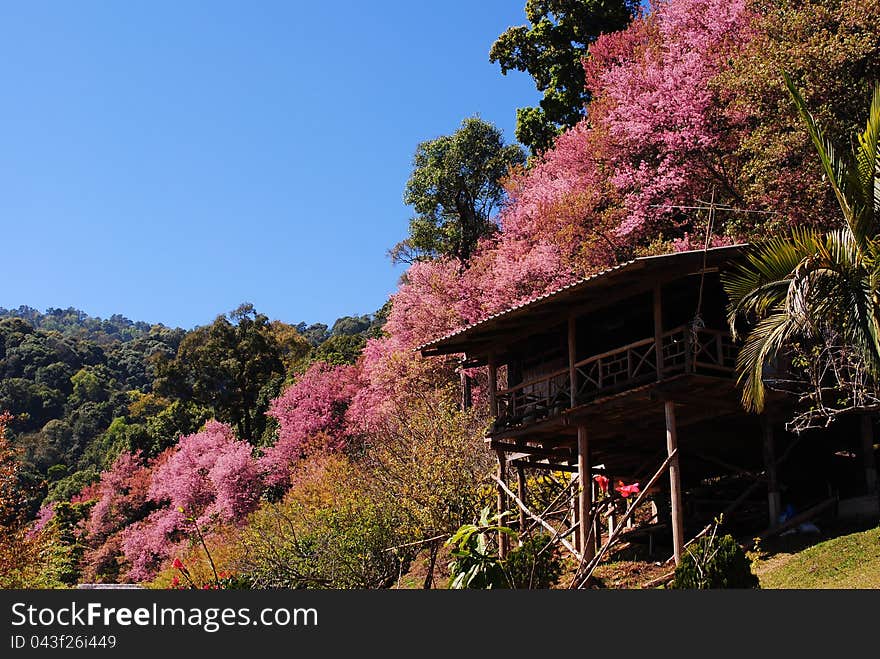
{"x": 432, "y": 562}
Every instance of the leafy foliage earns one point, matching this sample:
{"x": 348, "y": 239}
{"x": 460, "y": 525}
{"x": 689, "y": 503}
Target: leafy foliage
{"x": 228, "y": 366}
{"x": 328, "y": 532}
{"x": 551, "y": 49}
{"x": 455, "y": 189}
{"x": 475, "y": 563}
{"x": 815, "y": 287}
{"x": 313, "y": 407}
{"x": 531, "y": 565}
{"x": 535, "y": 564}
{"x": 715, "y": 562}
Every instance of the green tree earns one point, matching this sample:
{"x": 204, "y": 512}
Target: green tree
{"x": 455, "y": 188}
{"x": 340, "y": 349}
{"x": 551, "y": 49}
{"x": 818, "y": 289}
{"x": 226, "y": 366}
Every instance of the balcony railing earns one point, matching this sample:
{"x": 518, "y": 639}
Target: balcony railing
{"x": 685, "y": 350}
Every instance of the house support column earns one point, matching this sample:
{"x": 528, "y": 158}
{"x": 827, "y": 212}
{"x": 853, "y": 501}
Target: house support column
{"x": 585, "y": 498}
{"x": 674, "y": 482}
{"x": 774, "y": 501}
{"x": 521, "y": 493}
{"x": 576, "y": 516}
{"x": 503, "y": 538}
{"x": 493, "y": 386}
{"x": 868, "y": 454}
{"x": 572, "y": 360}
{"x": 467, "y": 399}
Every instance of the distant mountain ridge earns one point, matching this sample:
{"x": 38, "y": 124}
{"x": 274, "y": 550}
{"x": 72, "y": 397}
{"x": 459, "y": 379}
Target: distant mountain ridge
{"x": 76, "y": 323}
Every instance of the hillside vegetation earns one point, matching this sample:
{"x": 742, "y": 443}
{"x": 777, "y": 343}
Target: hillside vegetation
{"x": 250, "y": 452}
{"x": 849, "y": 561}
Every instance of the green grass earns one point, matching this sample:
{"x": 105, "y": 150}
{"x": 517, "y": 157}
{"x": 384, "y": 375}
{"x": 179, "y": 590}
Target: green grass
{"x": 849, "y": 561}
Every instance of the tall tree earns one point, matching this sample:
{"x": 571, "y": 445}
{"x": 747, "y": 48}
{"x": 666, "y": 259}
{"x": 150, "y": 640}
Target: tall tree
{"x": 551, "y": 50}
{"x": 228, "y": 366}
{"x": 455, "y": 188}
{"x": 820, "y": 292}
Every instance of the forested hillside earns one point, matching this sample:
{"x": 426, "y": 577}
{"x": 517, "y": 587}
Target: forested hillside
{"x": 250, "y": 452}
{"x": 82, "y": 390}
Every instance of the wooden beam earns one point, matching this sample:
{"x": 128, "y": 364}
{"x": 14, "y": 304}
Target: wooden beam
{"x": 467, "y": 399}
{"x": 797, "y": 520}
{"x": 658, "y": 329}
{"x": 493, "y": 386}
{"x": 774, "y": 502}
{"x": 547, "y": 466}
{"x": 535, "y": 451}
{"x": 572, "y": 358}
{"x": 585, "y": 571}
{"x": 553, "y": 532}
{"x": 868, "y": 453}
{"x": 674, "y": 481}
{"x": 521, "y": 493}
{"x": 585, "y": 500}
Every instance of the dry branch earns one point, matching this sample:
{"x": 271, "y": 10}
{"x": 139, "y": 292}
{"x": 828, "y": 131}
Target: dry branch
{"x": 533, "y": 516}
{"x": 591, "y": 566}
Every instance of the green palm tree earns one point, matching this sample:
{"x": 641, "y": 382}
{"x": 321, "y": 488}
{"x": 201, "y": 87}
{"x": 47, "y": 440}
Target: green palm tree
{"x": 816, "y": 287}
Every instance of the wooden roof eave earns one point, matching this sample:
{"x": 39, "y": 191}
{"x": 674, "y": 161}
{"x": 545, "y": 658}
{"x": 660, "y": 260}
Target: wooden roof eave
{"x": 590, "y": 294}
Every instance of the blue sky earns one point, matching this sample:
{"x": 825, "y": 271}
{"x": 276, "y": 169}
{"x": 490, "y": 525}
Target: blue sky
{"x": 170, "y": 160}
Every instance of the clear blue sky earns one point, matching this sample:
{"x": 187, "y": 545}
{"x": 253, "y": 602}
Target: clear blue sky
{"x": 169, "y": 160}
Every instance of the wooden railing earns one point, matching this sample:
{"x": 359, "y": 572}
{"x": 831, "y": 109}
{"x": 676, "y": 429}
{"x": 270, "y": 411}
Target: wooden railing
{"x": 685, "y": 350}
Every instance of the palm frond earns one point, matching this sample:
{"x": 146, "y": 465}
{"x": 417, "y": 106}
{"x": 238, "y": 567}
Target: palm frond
{"x": 842, "y": 176}
{"x": 762, "y": 345}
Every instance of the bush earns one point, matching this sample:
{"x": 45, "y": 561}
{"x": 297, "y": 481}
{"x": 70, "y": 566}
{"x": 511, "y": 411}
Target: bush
{"x": 534, "y": 564}
{"x": 713, "y": 562}
{"x": 329, "y": 531}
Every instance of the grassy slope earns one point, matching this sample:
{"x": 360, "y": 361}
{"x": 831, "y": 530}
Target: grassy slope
{"x": 849, "y": 561}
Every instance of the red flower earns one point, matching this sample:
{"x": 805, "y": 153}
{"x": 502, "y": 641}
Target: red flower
{"x": 175, "y": 582}
{"x": 602, "y": 481}
{"x": 626, "y": 491}
{"x": 177, "y": 564}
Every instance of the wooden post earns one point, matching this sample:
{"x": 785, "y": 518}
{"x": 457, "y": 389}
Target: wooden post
{"x": 493, "y": 386}
{"x": 868, "y": 451}
{"x": 658, "y": 331}
{"x": 585, "y": 500}
{"x": 774, "y": 502}
{"x": 572, "y": 358}
{"x": 467, "y": 399}
{"x": 597, "y": 534}
{"x": 521, "y": 493}
{"x": 674, "y": 481}
{"x": 576, "y": 517}
{"x": 503, "y": 538}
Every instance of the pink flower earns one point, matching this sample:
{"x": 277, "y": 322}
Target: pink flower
{"x": 626, "y": 491}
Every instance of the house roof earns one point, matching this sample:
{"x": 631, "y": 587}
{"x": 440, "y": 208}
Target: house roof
{"x": 593, "y": 291}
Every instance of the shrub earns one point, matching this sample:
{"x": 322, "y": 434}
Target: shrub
{"x": 330, "y": 531}
{"x": 715, "y": 562}
{"x": 476, "y": 565}
{"x": 534, "y": 564}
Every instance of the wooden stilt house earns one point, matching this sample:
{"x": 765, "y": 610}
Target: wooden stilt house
{"x": 624, "y": 371}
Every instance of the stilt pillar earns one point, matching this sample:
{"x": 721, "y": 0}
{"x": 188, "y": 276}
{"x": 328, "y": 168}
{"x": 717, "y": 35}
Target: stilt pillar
{"x": 521, "y": 493}
{"x": 868, "y": 454}
{"x": 674, "y": 482}
{"x": 585, "y": 499}
{"x": 503, "y": 538}
{"x": 467, "y": 398}
{"x": 774, "y": 501}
